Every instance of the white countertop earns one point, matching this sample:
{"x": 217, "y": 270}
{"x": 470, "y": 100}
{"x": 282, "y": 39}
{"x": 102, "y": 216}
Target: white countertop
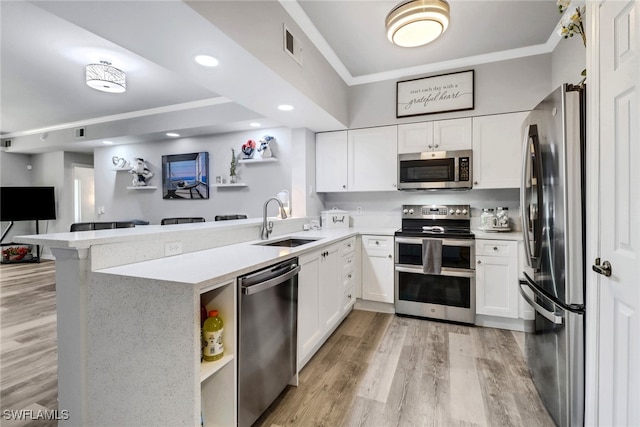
{"x": 211, "y": 266}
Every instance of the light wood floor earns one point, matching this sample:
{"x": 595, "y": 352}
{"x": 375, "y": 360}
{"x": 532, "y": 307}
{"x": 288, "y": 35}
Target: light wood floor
{"x": 384, "y": 370}
{"x": 28, "y": 352}
{"x": 376, "y": 370}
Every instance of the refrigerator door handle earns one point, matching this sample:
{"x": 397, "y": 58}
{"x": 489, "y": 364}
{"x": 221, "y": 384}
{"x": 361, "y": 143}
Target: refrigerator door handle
{"x": 551, "y": 316}
{"x": 524, "y": 216}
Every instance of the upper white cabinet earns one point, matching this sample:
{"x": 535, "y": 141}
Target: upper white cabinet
{"x": 443, "y": 135}
{"x": 331, "y": 161}
{"x": 373, "y": 159}
{"x": 497, "y": 150}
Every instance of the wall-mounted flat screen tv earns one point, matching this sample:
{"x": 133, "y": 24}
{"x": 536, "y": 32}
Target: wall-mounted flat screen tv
{"x": 27, "y": 203}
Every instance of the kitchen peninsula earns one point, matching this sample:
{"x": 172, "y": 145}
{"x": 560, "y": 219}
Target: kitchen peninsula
{"x": 129, "y": 316}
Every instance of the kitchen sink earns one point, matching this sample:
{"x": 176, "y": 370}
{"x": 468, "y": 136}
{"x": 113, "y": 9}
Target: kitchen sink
{"x": 290, "y": 242}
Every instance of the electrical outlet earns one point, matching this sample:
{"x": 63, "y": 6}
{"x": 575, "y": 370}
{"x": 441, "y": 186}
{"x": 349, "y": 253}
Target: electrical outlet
{"x": 359, "y": 210}
{"x": 172, "y": 248}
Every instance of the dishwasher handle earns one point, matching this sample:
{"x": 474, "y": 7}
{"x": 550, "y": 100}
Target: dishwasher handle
{"x": 270, "y": 283}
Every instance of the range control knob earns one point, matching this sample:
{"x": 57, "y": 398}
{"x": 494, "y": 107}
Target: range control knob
{"x": 410, "y": 211}
{"x": 451, "y": 211}
{"x": 458, "y": 211}
{"x": 464, "y": 212}
{"x": 405, "y": 211}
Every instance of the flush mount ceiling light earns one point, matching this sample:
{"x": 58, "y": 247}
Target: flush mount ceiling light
{"x": 106, "y": 78}
{"x": 417, "y": 22}
{"x": 285, "y": 107}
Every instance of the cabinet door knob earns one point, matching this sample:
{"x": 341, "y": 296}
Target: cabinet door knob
{"x": 437, "y": 145}
{"x": 349, "y": 296}
{"x": 495, "y": 248}
{"x": 349, "y": 276}
{"x": 377, "y": 243}
{"x": 390, "y": 256}
{"x": 479, "y": 262}
{"x": 475, "y": 182}
{"x": 430, "y": 146}
{"x": 394, "y": 185}
{"x": 344, "y": 186}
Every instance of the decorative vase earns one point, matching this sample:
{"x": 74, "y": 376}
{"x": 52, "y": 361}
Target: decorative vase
{"x": 232, "y": 179}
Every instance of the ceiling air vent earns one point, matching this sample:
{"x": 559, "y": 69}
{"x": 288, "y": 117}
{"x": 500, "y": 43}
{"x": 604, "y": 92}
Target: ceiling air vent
{"x": 292, "y": 46}
{"x": 80, "y": 132}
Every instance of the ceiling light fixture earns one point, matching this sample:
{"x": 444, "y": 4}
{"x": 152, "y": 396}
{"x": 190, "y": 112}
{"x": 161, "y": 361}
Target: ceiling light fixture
{"x": 172, "y": 134}
{"x": 417, "y": 22}
{"x": 106, "y": 78}
{"x": 107, "y": 142}
{"x": 285, "y": 107}
{"x": 206, "y": 60}
{"x": 255, "y": 124}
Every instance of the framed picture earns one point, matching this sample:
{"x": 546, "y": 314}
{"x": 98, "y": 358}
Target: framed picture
{"x": 435, "y": 94}
{"x": 185, "y": 176}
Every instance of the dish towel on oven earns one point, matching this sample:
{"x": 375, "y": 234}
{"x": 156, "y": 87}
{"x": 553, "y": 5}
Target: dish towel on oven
{"x": 431, "y": 256}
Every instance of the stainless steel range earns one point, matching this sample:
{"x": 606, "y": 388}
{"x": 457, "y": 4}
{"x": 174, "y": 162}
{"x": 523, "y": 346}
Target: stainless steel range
{"x": 435, "y": 263}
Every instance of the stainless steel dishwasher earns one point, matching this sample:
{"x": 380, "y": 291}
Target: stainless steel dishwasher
{"x": 267, "y": 337}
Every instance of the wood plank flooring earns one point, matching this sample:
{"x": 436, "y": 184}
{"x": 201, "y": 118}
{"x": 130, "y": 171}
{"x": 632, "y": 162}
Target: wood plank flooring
{"x": 28, "y": 346}
{"x": 382, "y": 370}
{"x": 376, "y": 370}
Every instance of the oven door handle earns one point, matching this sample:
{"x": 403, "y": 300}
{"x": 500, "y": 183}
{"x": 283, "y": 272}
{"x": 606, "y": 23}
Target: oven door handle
{"x": 452, "y": 272}
{"x": 445, "y": 242}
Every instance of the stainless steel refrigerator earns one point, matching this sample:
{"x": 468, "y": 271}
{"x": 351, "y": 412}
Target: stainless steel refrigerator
{"x": 553, "y": 217}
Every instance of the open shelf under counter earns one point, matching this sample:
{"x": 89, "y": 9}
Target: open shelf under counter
{"x": 143, "y": 187}
{"x": 267, "y": 160}
{"x": 207, "y": 369}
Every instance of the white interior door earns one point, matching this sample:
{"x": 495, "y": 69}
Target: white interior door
{"x": 617, "y": 97}
{"x": 83, "y": 194}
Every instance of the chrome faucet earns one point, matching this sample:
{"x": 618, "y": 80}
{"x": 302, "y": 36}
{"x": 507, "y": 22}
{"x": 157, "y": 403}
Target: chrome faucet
{"x": 267, "y": 228}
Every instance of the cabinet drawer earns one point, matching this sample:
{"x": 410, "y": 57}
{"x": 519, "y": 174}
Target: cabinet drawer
{"x": 349, "y": 278}
{"x": 349, "y": 261}
{"x": 495, "y": 247}
{"x": 377, "y": 243}
{"x": 349, "y": 298}
{"x": 347, "y": 246}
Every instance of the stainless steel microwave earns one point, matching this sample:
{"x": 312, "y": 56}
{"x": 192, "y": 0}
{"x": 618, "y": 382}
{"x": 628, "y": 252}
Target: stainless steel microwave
{"x": 431, "y": 170}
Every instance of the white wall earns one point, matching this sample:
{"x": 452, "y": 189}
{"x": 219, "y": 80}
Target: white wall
{"x": 568, "y": 60}
{"x": 263, "y": 179}
{"x": 500, "y": 87}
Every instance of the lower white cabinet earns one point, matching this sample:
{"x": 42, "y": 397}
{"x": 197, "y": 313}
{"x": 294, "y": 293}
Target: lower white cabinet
{"x": 327, "y": 276}
{"x": 497, "y": 278}
{"x": 377, "y": 268}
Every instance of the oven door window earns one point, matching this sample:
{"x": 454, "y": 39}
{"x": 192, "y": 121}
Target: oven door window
{"x": 452, "y": 256}
{"x": 435, "y": 289}
{"x": 436, "y": 170}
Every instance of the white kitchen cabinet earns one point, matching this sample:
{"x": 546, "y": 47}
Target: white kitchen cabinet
{"x": 452, "y": 134}
{"x": 415, "y": 137}
{"x": 331, "y": 161}
{"x": 377, "y": 268}
{"x": 497, "y": 278}
{"x": 373, "y": 159}
{"x": 330, "y": 286}
{"x": 497, "y": 150}
{"x": 443, "y": 135}
{"x": 325, "y": 279}
{"x": 309, "y": 327}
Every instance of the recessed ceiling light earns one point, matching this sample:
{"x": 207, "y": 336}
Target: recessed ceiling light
{"x": 172, "y": 134}
{"x": 107, "y": 142}
{"x": 206, "y": 60}
{"x": 255, "y": 124}
{"x": 285, "y": 107}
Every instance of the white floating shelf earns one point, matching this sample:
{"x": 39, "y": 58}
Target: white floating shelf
{"x": 237, "y": 184}
{"x": 267, "y": 160}
{"x": 209, "y": 368}
{"x": 143, "y": 187}
{"x": 121, "y": 169}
